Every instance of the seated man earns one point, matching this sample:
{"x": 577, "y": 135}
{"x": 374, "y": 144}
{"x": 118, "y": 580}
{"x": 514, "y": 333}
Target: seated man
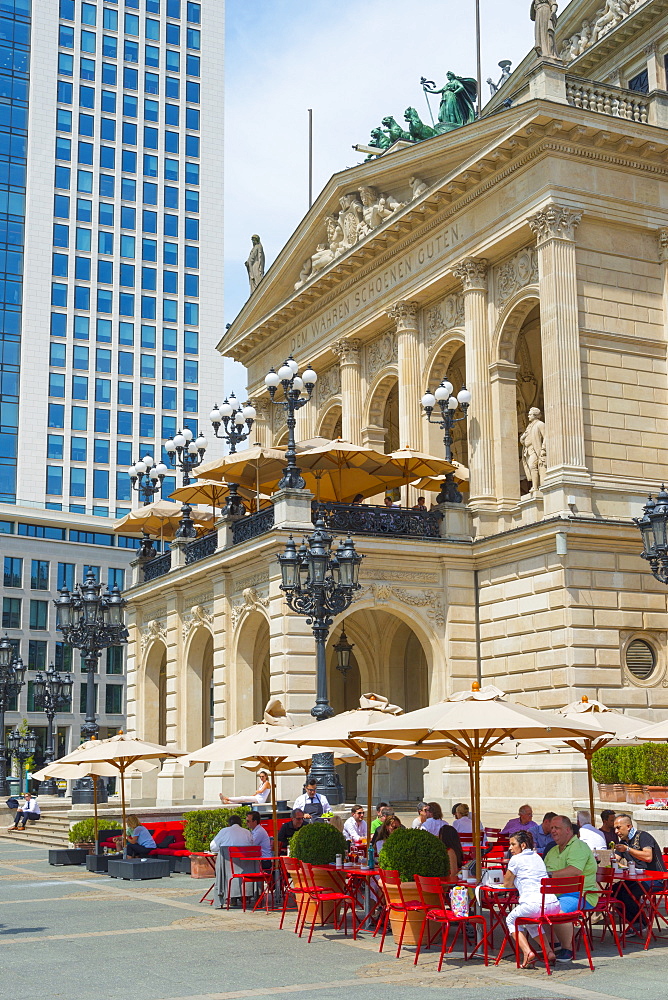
{"x": 607, "y": 827}
{"x": 570, "y": 858}
{"x": 643, "y": 850}
{"x": 589, "y": 833}
{"x": 28, "y": 811}
{"x": 543, "y": 839}
{"x": 354, "y": 828}
{"x": 232, "y": 835}
{"x": 523, "y": 821}
{"x": 259, "y": 835}
{"x": 382, "y": 812}
{"x": 288, "y": 829}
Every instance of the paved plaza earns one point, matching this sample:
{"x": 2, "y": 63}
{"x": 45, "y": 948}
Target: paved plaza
{"x": 93, "y": 938}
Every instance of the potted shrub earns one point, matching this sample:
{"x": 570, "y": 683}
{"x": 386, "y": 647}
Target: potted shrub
{"x": 318, "y": 844}
{"x": 413, "y": 852}
{"x": 199, "y": 829}
{"x": 654, "y": 769}
{"x": 630, "y": 774}
{"x": 605, "y": 771}
{"x": 82, "y": 834}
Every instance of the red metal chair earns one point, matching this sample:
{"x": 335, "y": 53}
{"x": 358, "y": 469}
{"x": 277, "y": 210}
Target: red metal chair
{"x": 391, "y": 883}
{"x": 293, "y": 886}
{"x": 244, "y": 877}
{"x": 608, "y": 907}
{"x": 558, "y": 887}
{"x": 320, "y": 894}
{"x": 442, "y": 914}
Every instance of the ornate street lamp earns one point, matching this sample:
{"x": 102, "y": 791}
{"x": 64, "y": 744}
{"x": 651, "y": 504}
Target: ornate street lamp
{"x": 653, "y": 528}
{"x": 319, "y": 584}
{"x": 237, "y": 421}
{"x": 293, "y": 385}
{"x": 185, "y": 453}
{"x": 51, "y": 692}
{"x": 21, "y": 746}
{"x": 146, "y": 478}
{"x": 12, "y": 677}
{"x": 343, "y": 649}
{"x": 91, "y": 621}
{"x": 448, "y": 404}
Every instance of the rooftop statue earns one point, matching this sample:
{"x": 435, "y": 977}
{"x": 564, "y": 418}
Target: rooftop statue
{"x": 457, "y": 107}
{"x": 255, "y": 264}
{"x": 544, "y": 15}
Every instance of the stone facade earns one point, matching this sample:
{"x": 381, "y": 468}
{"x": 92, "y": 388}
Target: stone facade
{"x": 532, "y": 268}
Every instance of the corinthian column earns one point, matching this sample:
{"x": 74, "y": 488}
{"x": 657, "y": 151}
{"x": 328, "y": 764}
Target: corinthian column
{"x": 554, "y": 228}
{"x": 472, "y": 273}
{"x": 405, "y": 316}
{"x": 348, "y": 353}
{"x": 261, "y": 426}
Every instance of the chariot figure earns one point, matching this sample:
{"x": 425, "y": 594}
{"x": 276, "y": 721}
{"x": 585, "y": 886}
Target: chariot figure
{"x": 458, "y": 98}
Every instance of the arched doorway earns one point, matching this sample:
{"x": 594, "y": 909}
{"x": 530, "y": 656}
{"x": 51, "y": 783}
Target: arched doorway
{"x": 251, "y": 678}
{"x": 331, "y": 423}
{"x": 389, "y": 659}
{"x": 155, "y": 695}
{"x": 381, "y": 419}
{"x": 529, "y": 390}
{"x": 197, "y": 710}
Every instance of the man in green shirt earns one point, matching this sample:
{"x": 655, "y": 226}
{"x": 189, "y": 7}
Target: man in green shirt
{"x": 570, "y": 858}
{"x": 382, "y": 812}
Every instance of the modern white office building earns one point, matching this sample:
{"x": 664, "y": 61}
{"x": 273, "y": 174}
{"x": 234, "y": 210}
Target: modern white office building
{"x": 111, "y": 296}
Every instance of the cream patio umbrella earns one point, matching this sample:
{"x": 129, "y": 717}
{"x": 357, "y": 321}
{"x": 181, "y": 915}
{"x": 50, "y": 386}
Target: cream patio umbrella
{"x": 472, "y": 724}
{"x": 161, "y": 517}
{"x": 124, "y": 752}
{"x": 655, "y": 733}
{"x": 62, "y": 768}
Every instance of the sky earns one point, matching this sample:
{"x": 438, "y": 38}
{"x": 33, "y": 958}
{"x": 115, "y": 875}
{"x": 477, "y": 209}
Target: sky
{"x": 352, "y": 62}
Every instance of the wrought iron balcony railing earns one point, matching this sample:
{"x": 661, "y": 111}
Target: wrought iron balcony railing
{"x": 201, "y": 547}
{"x": 363, "y": 519}
{"x": 252, "y": 526}
{"x": 157, "y": 567}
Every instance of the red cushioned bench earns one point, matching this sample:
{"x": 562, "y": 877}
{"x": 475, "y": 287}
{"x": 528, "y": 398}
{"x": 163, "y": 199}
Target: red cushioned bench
{"x": 169, "y": 834}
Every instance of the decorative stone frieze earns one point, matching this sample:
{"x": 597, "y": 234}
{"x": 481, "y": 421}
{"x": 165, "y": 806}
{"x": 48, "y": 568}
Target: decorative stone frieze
{"x": 593, "y": 29}
{"x": 556, "y": 222}
{"x": 443, "y": 317}
{"x": 663, "y": 245}
{"x": 251, "y": 602}
{"x": 380, "y": 353}
{"x": 153, "y": 630}
{"x": 423, "y": 599}
{"x": 515, "y": 274}
{"x": 329, "y": 384}
{"x": 472, "y": 273}
{"x": 198, "y": 616}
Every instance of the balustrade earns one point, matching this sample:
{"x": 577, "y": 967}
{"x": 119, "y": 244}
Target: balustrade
{"x": 607, "y": 100}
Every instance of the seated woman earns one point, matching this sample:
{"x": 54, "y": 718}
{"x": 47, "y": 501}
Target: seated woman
{"x": 388, "y": 826}
{"x": 526, "y": 869}
{"x": 140, "y": 843}
{"x": 463, "y": 823}
{"x": 261, "y": 795}
{"x": 450, "y": 838}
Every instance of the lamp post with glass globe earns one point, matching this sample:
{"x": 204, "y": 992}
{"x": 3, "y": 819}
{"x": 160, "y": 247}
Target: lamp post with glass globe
{"x": 448, "y": 404}
{"x": 186, "y": 452}
{"x": 21, "y": 746}
{"x": 653, "y": 527}
{"x": 293, "y": 385}
{"x": 12, "y": 677}
{"x": 52, "y": 691}
{"x": 146, "y": 478}
{"x": 320, "y": 584}
{"x": 237, "y": 421}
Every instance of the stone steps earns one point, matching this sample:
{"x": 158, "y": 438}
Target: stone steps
{"x": 51, "y": 830}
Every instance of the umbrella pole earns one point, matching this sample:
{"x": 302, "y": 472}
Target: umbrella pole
{"x": 97, "y": 845}
{"x": 274, "y": 811}
{"x": 476, "y": 829}
{"x": 125, "y": 842}
{"x": 369, "y": 796}
{"x": 475, "y": 824}
{"x": 590, "y": 782}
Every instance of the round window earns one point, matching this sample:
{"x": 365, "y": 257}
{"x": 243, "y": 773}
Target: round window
{"x": 640, "y": 659}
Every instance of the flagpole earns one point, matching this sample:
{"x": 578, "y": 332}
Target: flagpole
{"x": 478, "y": 59}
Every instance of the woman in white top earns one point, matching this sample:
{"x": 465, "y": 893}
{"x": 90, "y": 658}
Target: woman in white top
{"x": 261, "y": 794}
{"x": 463, "y": 823}
{"x": 526, "y": 870}
{"x": 434, "y": 820}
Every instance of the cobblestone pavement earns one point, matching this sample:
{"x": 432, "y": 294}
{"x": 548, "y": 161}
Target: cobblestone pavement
{"x": 67, "y": 933}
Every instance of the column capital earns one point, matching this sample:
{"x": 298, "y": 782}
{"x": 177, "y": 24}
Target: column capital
{"x": 555, "y": 222}
{"x": 347, "y": 350}
{"x": 662, "y": 237}
{"x": 472, "y": 272}
{"x": 262, "y": 407}
{"x": 405, "y": 315}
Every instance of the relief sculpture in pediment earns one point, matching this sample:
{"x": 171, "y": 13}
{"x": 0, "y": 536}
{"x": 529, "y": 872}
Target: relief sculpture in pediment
{"x": 596, "y": 27}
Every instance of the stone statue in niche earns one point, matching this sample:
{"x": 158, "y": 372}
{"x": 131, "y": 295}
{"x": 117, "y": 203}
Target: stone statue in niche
{"x": 534, "y": 459}
{"x": 544, "y": 15}
{"x": 255, "y": 263}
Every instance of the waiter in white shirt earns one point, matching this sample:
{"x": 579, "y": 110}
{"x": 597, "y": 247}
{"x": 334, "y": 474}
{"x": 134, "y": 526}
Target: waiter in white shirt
{"x": 354, "y": 828}
{"x": 311, "y": 803}
{"x": 233, "y": 835}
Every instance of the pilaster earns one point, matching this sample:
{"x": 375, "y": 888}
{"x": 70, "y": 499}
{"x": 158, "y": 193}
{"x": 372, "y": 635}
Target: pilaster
{"x": 567, "y": 474}
{"x": 348, "y": 353}
{"x": 503, "y": 383}
{"x": 262, "y": 424}
{"x": 662, "y": 237}
{"x": 405, "y": 315}
{"x": 472, "y": 273}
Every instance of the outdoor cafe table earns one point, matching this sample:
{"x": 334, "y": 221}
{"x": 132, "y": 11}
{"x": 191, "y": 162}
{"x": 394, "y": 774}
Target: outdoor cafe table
{"x": 355, "y": 876}
{"x": 648, "y": 902}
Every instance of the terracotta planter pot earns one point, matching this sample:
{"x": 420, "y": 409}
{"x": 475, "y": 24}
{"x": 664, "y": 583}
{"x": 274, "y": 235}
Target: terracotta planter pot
{"x": 636, "y": 794}
{"x": 612, "y": 793}
{"x": 200, "y": 867}
{"x": 657, "y": 791}
{"x": 414, "y": 920}
{"x": 327, "y": 913}
{"x": 85, "y": 846}
{"x": 619, "y": 793}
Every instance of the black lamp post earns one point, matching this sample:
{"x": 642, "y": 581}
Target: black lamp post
{"x": 343, "y": 649}
{"x": 320, "y": 584}
{"x": 237, "y": 421}
{"x": 21, "y": 746}
{"x": 146, "y": 478}
{"x": 91, "y": 621}
{"x": 294, "y": 385}
{"x": 12, "y": 676}
{"x": 653, "y": 528}
{"x": 52, "y": 692}
{"x": 448, "y": 404}
{"x": 185, "y": 453}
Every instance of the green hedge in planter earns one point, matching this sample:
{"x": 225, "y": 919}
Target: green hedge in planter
{"x": 414, "y": 852}
{"x": 83, "y": 832}
{"x": 605, "y": 766}
{"x": 318, "y": 844}
{"x": 653, "y": 766}
{"x": 202, "y": 825}
{"x": 630, "y": 765}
